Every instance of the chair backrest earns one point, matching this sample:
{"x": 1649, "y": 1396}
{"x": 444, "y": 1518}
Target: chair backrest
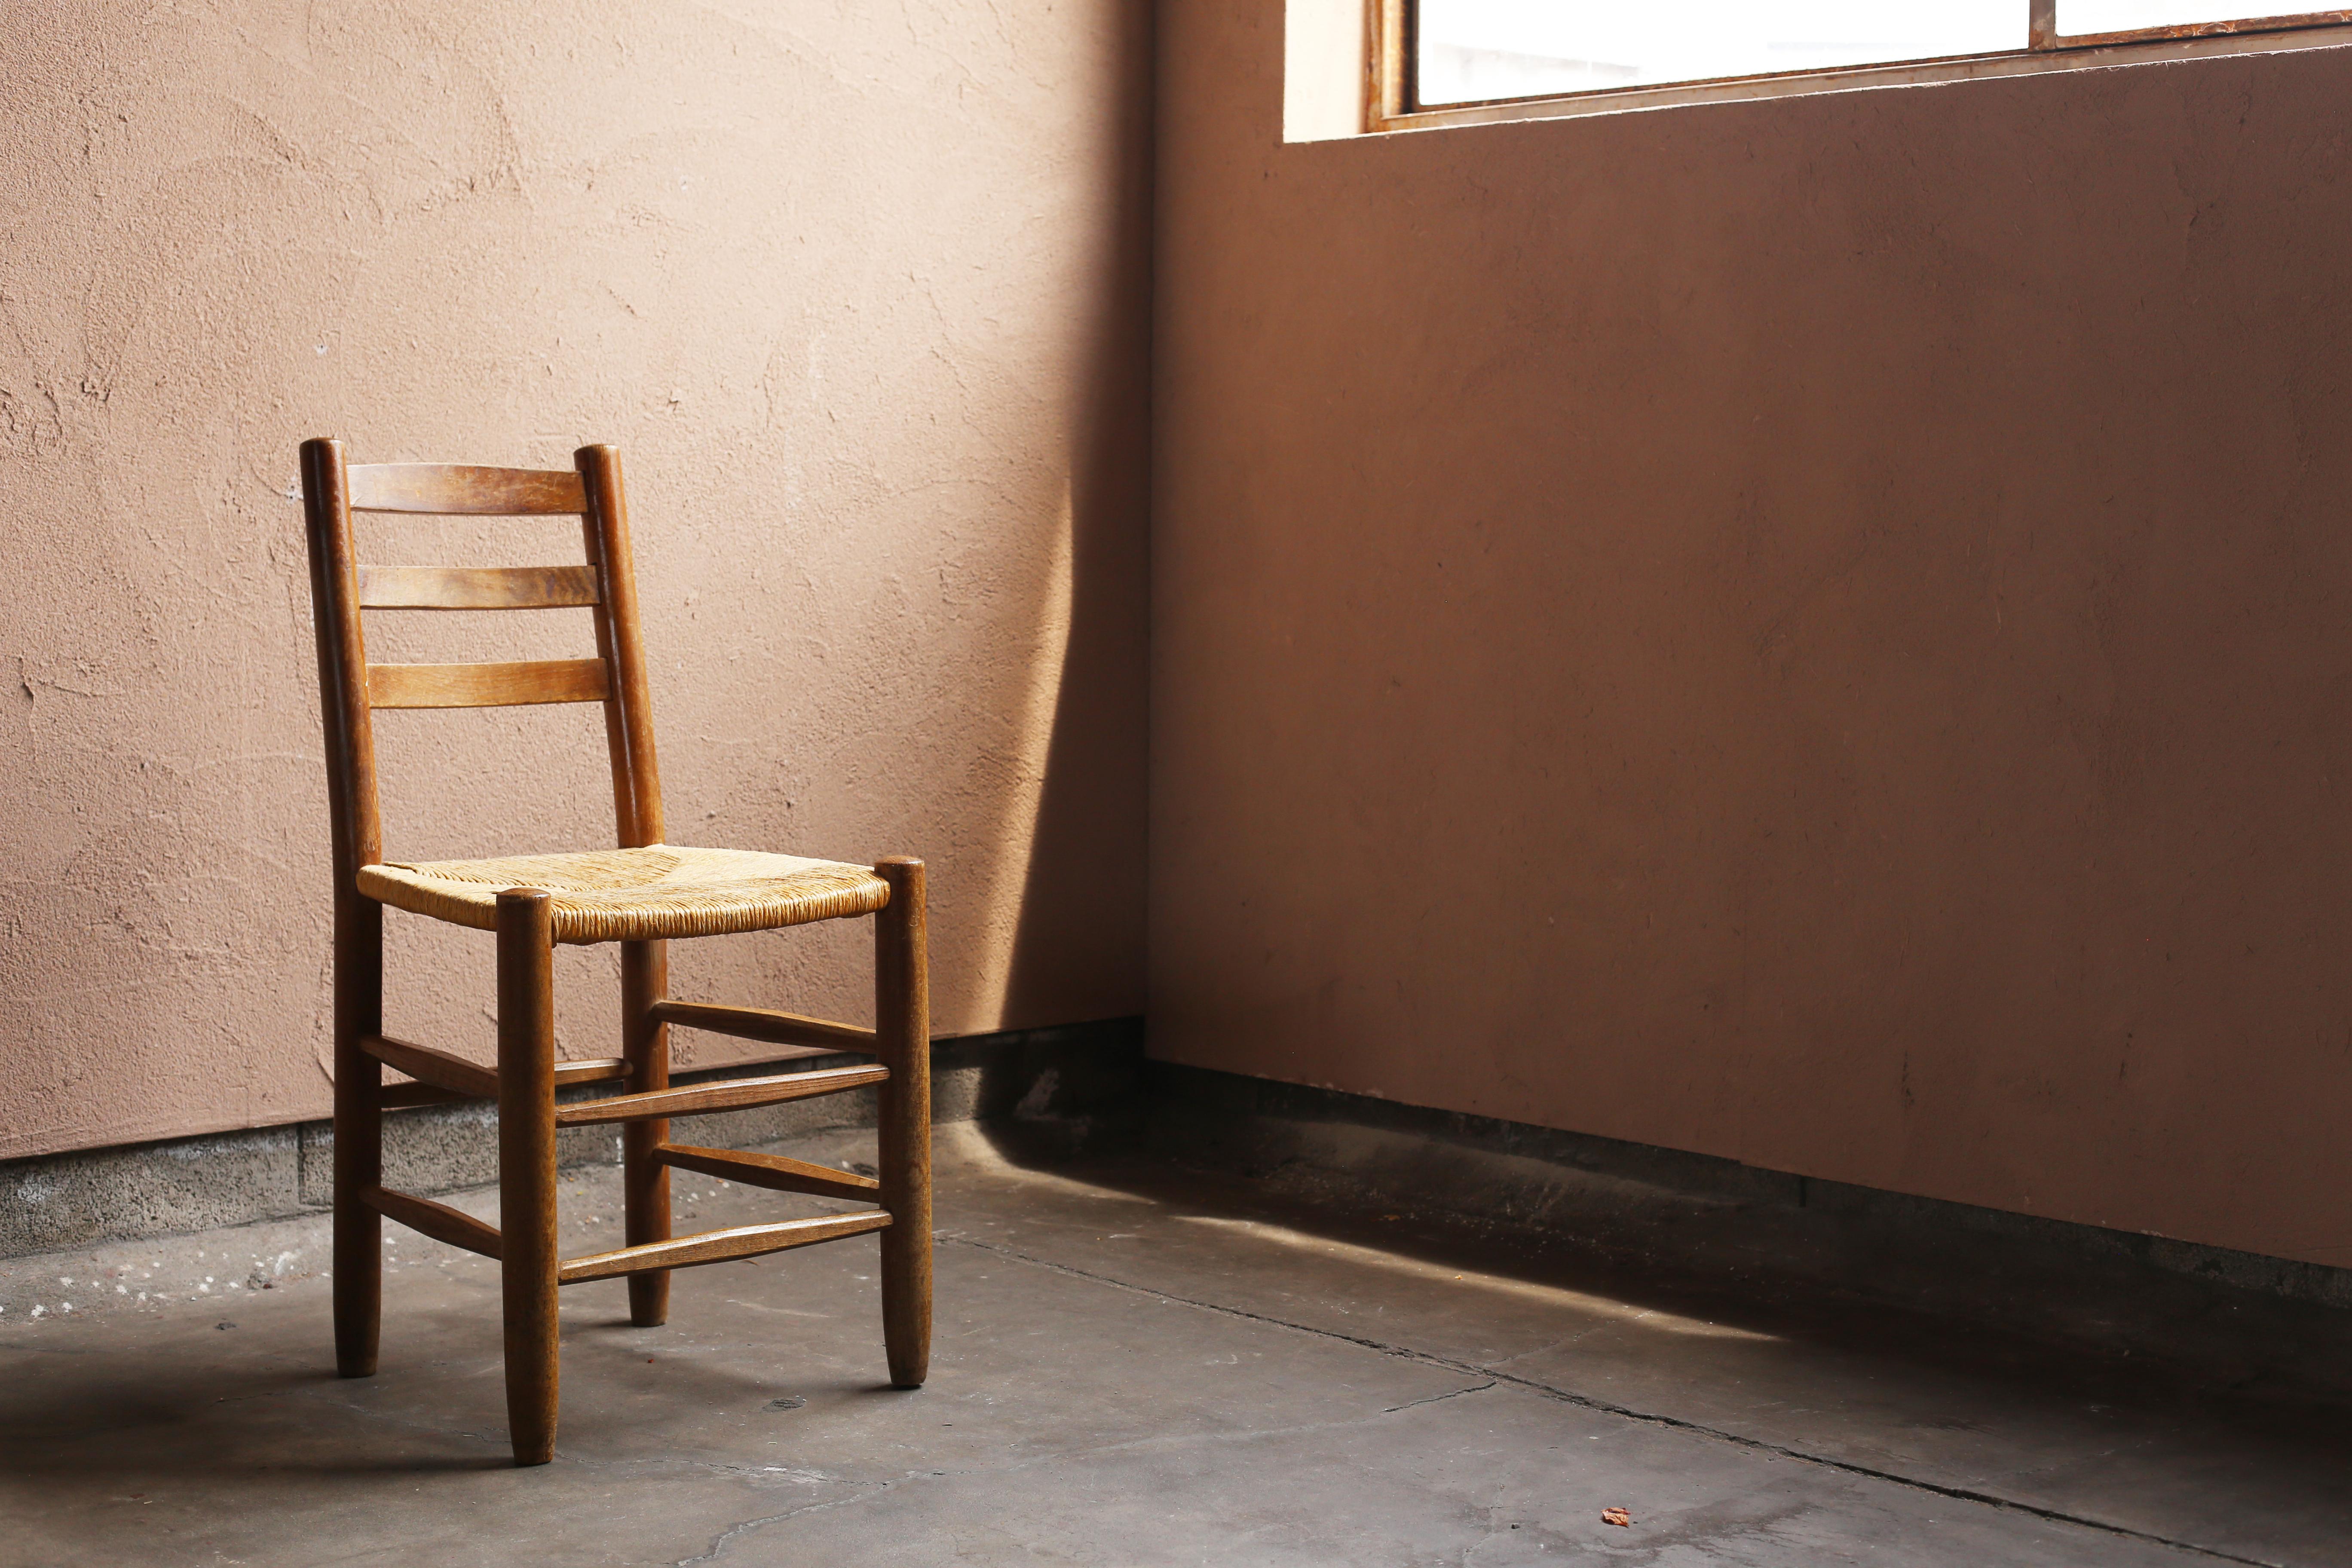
{"x": 351, "y": 689}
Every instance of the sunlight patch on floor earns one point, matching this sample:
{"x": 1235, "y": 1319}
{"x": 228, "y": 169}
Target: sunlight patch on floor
{"x": 1500, "y": 1284}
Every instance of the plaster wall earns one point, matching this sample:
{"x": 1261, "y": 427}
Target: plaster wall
{"x": 861, "y": 293}
{"x": 1810, "y": 631}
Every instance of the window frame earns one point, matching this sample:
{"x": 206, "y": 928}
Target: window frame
{"x": 1392, "y": 50}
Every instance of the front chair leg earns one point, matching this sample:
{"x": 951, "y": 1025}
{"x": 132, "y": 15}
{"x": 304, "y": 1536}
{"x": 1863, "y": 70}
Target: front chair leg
{"x": 527, "y": 1259}
{"x": 645, "y": 1041}
{"x": 902, "y": 1030}
{"x": 359, "y": 1133}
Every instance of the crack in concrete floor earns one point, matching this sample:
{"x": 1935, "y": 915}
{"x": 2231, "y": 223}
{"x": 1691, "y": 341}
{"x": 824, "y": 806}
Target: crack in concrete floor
{"x": 1584, "y": 1401}
{"x": 1067, "y": 1455}
{"x": 1551, "y": 1391}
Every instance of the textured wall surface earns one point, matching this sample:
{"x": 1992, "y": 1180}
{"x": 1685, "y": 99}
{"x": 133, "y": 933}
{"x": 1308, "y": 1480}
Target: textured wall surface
{"x": 861, "y": 293}
{"x": 1813, "y": 631}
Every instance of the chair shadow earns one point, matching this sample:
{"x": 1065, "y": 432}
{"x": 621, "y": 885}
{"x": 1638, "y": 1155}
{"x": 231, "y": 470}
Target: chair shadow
{"x": 210, "y": 1425}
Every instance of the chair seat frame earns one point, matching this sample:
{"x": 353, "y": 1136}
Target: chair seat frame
{"x": 526, "y": 1074}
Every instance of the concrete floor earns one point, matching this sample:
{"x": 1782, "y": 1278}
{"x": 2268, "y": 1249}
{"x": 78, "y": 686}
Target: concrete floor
{"x": 1134, "y": 1365}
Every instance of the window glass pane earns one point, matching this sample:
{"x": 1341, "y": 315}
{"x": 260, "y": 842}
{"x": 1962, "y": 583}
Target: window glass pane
{"x": 1473, "y": 49}
{"x": 2077, "y": 18}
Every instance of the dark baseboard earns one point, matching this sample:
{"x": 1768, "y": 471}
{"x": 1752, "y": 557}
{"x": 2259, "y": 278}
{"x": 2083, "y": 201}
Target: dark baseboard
{"x": 1724, "y": 1225}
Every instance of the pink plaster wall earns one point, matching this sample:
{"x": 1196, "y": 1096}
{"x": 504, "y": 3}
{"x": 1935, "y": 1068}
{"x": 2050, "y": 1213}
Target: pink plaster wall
{"x": 861, "y": 293}
{"x": 1816, "y": 631}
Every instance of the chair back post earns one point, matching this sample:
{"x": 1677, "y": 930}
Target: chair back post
{"x": 637, "y": 814}
{"x": 358, "y": 828}
{"x": 628, "y": 705}
{"x": 357, "y": 838}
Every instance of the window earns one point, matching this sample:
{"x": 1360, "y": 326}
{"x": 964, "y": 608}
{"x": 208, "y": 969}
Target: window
{"x": 1444, "y": 54}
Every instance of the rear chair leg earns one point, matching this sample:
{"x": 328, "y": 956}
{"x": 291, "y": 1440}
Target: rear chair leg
{"x": 645, "y": 980}
{"x": 359, "y": 1132}
{"x": 902, "y": 1030}
{"x": 527, "y": 1167}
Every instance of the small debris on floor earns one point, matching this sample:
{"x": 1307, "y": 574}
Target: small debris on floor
{"x": 1617, "y": 1516}
{"x": 789, "y": 1402}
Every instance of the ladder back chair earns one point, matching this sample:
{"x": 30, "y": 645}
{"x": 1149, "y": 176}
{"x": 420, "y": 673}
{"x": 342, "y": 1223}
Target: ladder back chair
{"x": 639, "y": 894}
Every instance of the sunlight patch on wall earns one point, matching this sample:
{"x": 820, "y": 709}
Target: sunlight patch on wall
{"x": 1032, "y": 744}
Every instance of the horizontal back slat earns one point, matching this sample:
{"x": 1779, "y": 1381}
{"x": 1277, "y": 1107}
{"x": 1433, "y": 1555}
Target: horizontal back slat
{"x": 475, "y": 588}
{"x": 457, "y": 490}
{"x": 487, "y": 685}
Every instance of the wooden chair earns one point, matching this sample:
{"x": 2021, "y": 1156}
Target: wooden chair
{"x": 639, "y": 895}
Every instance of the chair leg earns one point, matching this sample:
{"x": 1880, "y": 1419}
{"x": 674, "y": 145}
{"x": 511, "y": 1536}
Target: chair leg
{"x": 359, "y": 1133}
{"x": 645, "y": 980}
{"x": 902, "y": 1009}
{"x": 527, "y": 1168}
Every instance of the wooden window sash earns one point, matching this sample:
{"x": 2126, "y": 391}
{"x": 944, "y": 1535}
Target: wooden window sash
{"x": 1391, "y": 99}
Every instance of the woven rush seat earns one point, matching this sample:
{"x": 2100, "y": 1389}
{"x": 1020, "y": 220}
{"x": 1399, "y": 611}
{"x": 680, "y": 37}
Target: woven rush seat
{"x": 637, "y": 895}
